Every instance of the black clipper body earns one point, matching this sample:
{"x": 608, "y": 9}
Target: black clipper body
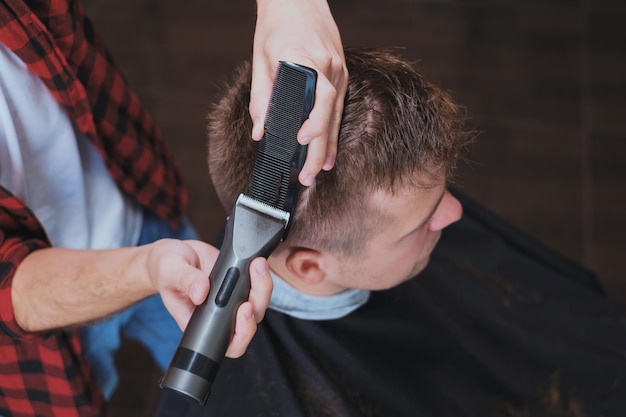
{"x": 259, "y": 221}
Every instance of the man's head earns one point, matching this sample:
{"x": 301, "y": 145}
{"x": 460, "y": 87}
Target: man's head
{"x": 373, "y": 220}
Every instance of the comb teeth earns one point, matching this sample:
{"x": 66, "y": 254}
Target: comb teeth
{"x": 279, "y": 156}
{"x": 285, "y": 113}
{"x": 270, "y": 179}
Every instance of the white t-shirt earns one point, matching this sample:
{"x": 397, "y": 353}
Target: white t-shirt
{"x": 52, "y": 166}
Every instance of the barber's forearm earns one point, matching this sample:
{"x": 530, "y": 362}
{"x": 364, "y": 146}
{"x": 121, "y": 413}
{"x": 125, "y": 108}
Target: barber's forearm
{"x": 58, "y": 288}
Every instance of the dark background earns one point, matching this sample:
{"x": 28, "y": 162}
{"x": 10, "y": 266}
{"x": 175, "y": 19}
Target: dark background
{"x": 543, "y": 80}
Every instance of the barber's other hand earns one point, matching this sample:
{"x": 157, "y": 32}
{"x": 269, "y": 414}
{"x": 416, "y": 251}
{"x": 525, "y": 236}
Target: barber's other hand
{"x": 179, "y": 271}
{"x": 303, "y": 32}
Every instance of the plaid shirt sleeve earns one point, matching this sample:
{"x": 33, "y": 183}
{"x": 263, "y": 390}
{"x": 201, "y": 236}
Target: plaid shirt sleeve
{"x": 59, "y": 44}
{"x": 40, "y": 374}
{"x": 45, "y": 375}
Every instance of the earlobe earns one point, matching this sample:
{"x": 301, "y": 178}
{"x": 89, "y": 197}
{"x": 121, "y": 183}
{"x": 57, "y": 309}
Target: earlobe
{"x": 305, "y": 265}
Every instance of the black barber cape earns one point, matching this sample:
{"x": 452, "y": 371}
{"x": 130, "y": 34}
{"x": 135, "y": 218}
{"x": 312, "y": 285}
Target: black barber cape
{"x": 497, "y": 325}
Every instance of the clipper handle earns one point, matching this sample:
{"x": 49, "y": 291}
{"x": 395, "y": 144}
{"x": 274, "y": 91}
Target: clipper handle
{"x": 251, "y": 231}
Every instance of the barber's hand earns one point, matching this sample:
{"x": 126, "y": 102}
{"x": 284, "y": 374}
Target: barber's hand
{"x": 303, "y": 32}
{"x": 179, "y": 271}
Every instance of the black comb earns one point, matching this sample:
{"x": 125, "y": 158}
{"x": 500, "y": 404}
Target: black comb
{"x": 280, "y": 157}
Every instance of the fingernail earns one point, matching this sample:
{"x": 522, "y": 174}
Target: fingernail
{"x": 261, "y": 268}
{"x": 309, "y": 180}
{"x": 248, "y": 314}
{"x": 256, "y": 129}
{"x": 329, "y": 163}
{"x": 192, "y": 292}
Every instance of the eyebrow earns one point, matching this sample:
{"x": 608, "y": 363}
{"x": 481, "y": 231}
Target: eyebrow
{"x": 430, "y": 216}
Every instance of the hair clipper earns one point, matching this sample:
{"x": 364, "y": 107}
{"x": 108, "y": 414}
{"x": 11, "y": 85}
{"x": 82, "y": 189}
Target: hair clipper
{"x": 257, "y": 224}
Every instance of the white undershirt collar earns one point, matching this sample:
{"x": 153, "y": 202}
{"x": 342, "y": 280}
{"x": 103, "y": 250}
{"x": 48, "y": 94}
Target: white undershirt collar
{"x": 288, "y": 300}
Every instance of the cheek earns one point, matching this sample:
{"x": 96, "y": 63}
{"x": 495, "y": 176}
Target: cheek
{"x": 419, "y": 252}
{"x": 391, "y": 267}
{"x": 422, "y": 244}
{"x": 433, "y": 239}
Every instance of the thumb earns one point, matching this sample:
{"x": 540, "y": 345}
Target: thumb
{"x": 260, "y": 93}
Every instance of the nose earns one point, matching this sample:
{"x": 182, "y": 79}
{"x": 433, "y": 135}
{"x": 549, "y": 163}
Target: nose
{"x": 448, "y": 212}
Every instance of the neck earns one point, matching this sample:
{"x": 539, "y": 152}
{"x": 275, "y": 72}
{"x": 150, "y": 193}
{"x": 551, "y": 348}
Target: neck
{"x": 288, "y": 300}
{"x": 322, "y": 287}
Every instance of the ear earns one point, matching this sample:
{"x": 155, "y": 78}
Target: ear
{"x": 306, "y": 265}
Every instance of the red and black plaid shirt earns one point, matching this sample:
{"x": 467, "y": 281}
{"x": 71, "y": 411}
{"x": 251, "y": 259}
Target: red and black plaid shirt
{"x": 46, "y": 374}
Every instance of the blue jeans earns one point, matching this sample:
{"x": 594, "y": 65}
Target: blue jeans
{"x": 148, "y": 322}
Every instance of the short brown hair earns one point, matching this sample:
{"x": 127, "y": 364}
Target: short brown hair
{"x": 396, "y": 127}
